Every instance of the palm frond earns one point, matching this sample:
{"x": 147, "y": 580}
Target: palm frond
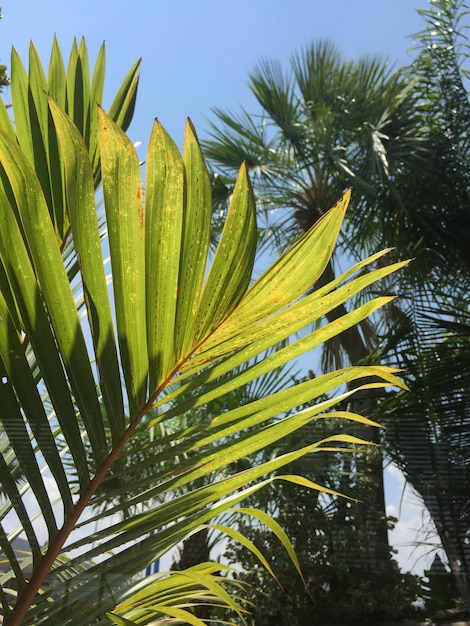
{"x": 179, "y": 330}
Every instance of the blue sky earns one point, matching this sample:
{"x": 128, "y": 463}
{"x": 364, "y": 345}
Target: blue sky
{"x": 197, "y": 55}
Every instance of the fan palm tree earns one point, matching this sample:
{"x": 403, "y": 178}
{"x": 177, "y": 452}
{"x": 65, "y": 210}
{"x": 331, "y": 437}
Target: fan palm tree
{"x": 93, "y": 353}
{"x": 325, "y": 124}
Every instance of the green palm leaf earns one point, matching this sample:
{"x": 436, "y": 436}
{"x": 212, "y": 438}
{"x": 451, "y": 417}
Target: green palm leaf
{"x": 77, "y": 94}
{"x": 173, "y": 328}
{"x": 176, "y": 593}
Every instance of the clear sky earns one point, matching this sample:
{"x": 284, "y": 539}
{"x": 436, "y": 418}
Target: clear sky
{"x": 197, "y": 55}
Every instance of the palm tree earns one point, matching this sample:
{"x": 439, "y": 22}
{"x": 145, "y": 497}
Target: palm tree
{"x": 84, "y": 371}
{"x": 325, "y": 124}
{"x": 427, "y": 435}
